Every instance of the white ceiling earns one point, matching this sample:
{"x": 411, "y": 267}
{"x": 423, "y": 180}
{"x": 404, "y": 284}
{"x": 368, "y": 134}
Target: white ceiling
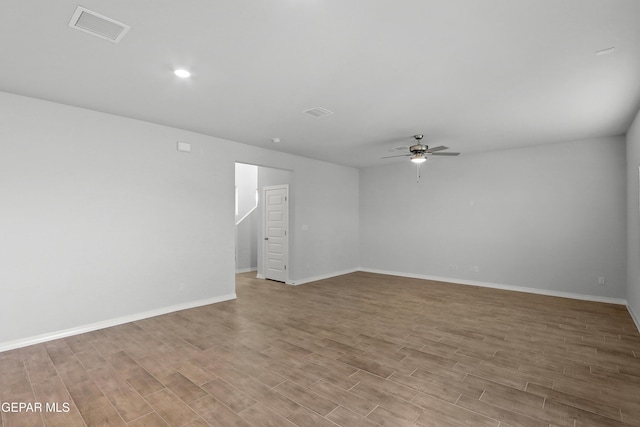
{"x": 470, "y": 74}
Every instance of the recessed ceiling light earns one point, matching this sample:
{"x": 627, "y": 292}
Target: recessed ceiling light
{"x": 276, "y": 140}
{"x": 182, "y": 73}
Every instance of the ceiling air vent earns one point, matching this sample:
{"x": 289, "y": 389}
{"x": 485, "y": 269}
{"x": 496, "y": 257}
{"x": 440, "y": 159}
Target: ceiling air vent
{"x": 318, "y": 112}
{"x": 99, "y": 25}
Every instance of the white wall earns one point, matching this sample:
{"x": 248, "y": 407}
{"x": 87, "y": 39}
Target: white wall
{"x": 548, "y": 217}
{"x": 101, "y": 217}
{"x": 633, "y": 219}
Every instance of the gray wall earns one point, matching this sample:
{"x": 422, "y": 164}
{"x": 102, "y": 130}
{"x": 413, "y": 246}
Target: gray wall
{"x": 246, "y": 229}
{"x": 548, "y": 217}
{"x": 246, "y": 182}
{"x": 101, "y": 218}
{"x": 247, "y": 243}
{"x": 633, "y": 219}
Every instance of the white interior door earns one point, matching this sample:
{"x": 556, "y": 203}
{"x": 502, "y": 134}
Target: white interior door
{"x": 276, "y": 239}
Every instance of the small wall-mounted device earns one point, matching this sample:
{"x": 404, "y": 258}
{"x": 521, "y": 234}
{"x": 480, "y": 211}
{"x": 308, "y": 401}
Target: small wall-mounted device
{"x": 185, "y": 147}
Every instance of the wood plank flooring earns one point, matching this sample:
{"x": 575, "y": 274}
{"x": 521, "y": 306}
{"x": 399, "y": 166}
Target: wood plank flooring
{"x": 355, "y": 350}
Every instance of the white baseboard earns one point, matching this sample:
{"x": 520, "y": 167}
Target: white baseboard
{"x": 260, "y": 276}
{"x": 246, "y": 270}
{"x": 635, "y": 318}
{"x": 24, "y": 342}
{"x": 320, "y": 277}
{"x": 11, "y": 345}
{"x": 547, "y": 292}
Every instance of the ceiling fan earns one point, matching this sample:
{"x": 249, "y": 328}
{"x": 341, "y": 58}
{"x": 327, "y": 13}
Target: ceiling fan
{"x": 418, "y": 152}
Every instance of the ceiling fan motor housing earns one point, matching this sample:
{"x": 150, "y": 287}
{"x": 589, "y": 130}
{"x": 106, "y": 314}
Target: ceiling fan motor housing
{"x": 418, "y": 148}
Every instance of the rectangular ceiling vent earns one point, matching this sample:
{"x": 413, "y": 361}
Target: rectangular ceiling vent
{"x": 318, "y": 112}
{"x": 99, "y": 25}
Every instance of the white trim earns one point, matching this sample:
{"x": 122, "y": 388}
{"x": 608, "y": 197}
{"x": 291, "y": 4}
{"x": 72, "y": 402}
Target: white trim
{"x": 24, "y": 342}
{"x": 547, "y": 292}
{"x": 635, "y": 318}
{"x": 321, "y": 277}
{"x": 246, "y": 215}
{"x": 246, "y": 270}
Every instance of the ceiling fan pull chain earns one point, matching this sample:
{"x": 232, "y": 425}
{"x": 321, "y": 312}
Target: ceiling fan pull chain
{"x": 418, "y": 173}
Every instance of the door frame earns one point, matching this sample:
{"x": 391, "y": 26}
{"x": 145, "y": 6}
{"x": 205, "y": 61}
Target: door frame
{"x": 263, "y": 193}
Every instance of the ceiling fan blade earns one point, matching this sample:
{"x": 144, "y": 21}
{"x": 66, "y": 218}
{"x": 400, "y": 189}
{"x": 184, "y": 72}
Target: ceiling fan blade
{"x": 445, "y": 154}
{"x": 399, "y": 155}
{"x": 434, "y": 149}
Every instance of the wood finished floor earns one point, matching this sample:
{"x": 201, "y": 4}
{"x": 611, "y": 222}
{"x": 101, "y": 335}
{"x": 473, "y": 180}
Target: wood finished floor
{"x": 356, "y": 350}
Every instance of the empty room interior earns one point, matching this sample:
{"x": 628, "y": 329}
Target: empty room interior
{"x": 320, "y": 213}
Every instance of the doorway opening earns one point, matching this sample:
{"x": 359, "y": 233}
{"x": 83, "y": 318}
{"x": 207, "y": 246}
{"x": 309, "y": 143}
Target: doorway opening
{"x": 262, "y": 218}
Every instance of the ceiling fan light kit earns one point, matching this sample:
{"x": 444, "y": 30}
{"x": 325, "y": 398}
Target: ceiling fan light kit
{"x": 418, "y": 158}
